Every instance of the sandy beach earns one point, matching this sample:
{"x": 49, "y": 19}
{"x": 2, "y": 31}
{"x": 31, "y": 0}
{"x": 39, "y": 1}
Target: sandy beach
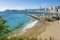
{"x": 30, "y": 25}
{"x": 52, "y": 30}
{"x": 35, "y": 30}
{"x": 41, "y": 30}
{"x": 22, "y": 30}
{"x": 47, "y": 31}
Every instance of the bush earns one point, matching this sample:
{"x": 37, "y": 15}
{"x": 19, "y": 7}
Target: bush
{"x": 4, "y": 38}
{"x": 14, "y": 38}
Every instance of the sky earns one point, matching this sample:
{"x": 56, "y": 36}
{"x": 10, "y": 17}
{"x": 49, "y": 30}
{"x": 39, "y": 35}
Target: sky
{"x": 28, "y": 4}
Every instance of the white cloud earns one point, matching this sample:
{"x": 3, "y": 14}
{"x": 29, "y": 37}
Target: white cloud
{"x": 18, "y": 8}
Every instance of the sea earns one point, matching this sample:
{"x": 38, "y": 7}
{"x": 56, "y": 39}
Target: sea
{"x": 17, "y": 19}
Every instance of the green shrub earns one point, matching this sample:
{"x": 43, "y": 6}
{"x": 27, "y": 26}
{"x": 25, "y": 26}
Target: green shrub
{"x": 14, "y": 38}
{"x": 4, "y": 38}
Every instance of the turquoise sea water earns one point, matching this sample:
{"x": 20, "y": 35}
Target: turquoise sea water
{"x": 17, "y": 19}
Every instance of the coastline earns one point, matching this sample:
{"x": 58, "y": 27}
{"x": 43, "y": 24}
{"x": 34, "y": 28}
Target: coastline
{"x": 20, "y": 31}
{"x": 29, "y": 25}
{"x": 33, "y": 31}
{"x": 37, "y": 29}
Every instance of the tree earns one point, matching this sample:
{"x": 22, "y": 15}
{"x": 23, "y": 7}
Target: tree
{"x": 3, "y": 28}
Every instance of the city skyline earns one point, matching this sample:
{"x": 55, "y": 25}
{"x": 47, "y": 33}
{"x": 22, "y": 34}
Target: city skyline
{"x": 29, "y": 4}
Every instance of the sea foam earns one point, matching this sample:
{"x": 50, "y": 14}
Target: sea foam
{"x": 30, "y": 25}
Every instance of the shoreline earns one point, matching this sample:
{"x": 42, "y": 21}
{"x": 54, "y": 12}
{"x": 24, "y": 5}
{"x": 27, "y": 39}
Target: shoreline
{"x": 38, "y": 28}
{"x": 23, "y": 29}
{"x": 30, "y": 25}
{"x": 35, "y": 30}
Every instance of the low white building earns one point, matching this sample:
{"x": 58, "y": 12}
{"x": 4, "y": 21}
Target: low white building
{"x": 59, "y": 10}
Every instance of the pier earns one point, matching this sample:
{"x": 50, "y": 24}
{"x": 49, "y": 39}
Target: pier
{"x": 33, "y": 16}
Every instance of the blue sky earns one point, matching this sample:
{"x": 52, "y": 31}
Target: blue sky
{"x": 29, "y": 4}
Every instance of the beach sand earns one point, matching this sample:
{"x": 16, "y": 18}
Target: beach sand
{"x": 44, "y": 31}
{"x": 35, "y": 30}
{"x": 30, "y": 25}
{"x": 22, "y": 30}
{"x": 52, "y": 30}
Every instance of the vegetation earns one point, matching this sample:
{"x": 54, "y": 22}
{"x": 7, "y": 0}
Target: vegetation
{"x": 14, "y": 38}
{"x": 3, "y": 28}
{"x": 52, "y": 19}
{"x": 3, "y": 38}
{"x": 57, "y": 18}
{"x": 17, "y": 38}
